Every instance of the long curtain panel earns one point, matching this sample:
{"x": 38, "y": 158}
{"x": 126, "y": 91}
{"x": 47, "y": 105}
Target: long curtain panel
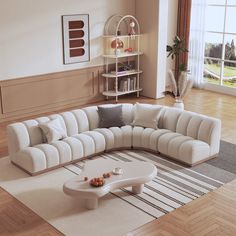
{"x": 183, "y": 29}
{"x": 197, "y": 42}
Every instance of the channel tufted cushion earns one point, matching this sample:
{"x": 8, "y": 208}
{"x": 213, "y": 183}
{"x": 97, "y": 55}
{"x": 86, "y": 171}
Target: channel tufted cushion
{"x": 185, "y": 136}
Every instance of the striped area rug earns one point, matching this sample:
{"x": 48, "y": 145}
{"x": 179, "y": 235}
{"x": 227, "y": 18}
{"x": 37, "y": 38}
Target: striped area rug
{"x": 173, "y": 187}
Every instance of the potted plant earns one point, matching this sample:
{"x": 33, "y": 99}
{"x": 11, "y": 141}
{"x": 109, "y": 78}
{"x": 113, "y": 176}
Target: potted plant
{"x": 180, "y": 83}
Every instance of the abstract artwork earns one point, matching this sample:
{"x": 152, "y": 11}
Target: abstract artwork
{"x": 76, "y": 38}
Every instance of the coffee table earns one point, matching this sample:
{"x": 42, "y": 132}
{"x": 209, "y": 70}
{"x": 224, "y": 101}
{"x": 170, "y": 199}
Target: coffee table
{"x": 135, "y": 174}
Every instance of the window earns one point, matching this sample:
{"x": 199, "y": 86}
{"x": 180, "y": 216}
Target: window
{"x": 220, "y": 43}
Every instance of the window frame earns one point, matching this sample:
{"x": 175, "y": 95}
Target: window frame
{"x": 222, "y": 60}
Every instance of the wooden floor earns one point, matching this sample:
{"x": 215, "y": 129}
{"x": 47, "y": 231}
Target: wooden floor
{"x": 17, "y": 219}
{"x": 212, "y": 214}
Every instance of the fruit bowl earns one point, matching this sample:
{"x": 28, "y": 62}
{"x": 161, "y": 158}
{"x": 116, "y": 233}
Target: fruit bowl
{"x": 97, "y": 182}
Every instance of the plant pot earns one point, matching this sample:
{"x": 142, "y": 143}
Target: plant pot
{"x": 179, "y": 103}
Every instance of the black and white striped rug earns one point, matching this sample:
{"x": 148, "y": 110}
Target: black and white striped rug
{"x": 173, "y": 187}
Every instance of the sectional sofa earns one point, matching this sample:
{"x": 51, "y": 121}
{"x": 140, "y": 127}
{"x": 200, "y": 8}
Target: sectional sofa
{"x": 184, "y": 136}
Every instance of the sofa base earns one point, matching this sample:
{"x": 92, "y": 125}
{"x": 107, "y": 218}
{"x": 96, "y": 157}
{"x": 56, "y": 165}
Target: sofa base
{"x": 116, "y": 149}
{"x": 186, "y": 164}
{"x": 57, "y": 166}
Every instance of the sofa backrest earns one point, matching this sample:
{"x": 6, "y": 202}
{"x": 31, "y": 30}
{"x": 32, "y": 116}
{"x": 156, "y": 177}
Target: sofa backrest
{"x": 27, "y": 133}
{"x": 190, "y": 124}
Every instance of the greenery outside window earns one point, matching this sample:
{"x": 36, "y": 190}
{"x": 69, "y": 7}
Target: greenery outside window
{"x": 220, "y": 43}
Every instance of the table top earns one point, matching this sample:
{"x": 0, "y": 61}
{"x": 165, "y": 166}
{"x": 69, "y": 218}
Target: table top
{"x": 134, "y": 173}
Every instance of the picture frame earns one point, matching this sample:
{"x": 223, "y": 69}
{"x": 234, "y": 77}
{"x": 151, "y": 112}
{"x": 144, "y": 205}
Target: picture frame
{"x": 76, "y": 38}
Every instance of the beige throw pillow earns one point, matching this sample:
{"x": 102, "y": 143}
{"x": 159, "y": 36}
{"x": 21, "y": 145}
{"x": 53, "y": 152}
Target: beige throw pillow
{"x": 146, "y": 115}
{"x": 53, "y": 130}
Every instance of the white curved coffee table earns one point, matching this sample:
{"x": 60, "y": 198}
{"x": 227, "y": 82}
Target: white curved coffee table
{"x": 135, "y": 174}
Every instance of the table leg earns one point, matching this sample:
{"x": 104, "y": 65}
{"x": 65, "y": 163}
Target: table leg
{"x": 91, "y": 203}
{"x": 137, "y": 188}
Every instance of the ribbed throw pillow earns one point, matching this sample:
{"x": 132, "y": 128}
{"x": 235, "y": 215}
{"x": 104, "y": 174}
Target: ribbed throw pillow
{"x": 110, "y": 116}
{"x": 146, "y": 116}
{"x": 53, "y": 130}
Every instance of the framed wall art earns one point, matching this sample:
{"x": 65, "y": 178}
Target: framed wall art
{"x": 76, "y": 43}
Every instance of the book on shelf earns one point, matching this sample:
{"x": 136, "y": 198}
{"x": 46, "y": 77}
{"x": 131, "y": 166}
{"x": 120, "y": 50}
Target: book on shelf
{"x": 123, "y": 72}
{"x": 127, "y": 84}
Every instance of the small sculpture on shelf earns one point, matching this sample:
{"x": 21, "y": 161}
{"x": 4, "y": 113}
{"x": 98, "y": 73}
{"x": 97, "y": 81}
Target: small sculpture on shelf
{"x": 129, "y": 50}
{"x": 117, "y": 44}
{"x": 132, "y": 31}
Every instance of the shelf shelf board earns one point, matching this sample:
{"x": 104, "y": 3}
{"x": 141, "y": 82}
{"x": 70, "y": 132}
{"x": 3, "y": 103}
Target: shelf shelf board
{"x": 121, "y": 36}
{"x": 112, "y": 93}
{"x": 111, "y": 75}
{"x": 128, "y": 54}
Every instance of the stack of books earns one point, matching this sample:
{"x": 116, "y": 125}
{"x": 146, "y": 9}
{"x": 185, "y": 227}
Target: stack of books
{"x": 122, "y": 72}
{"x": 128, "y": 84}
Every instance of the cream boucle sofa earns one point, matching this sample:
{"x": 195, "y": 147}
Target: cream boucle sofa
{"x": 184, "y": 136}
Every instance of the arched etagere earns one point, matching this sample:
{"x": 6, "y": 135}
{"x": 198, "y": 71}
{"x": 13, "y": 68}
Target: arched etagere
{"x": 122, "y": 56}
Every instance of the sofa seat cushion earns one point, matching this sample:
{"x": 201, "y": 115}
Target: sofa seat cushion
{"x": 109, "y": 137}
{"x": 193, "y": 151}
{"x": 98, "y": 139}
{"x": 141, "y": 137}
{"x": 154, "y": 137}
{"x": 51, "y": 154}
{"x": 76, "y": 146}
{"x": 122, "y": 136}
{"x": 31, "y": 159}
{"x": 93, "y": 142}
{"x": 182, "y": 148}
{"x": 164, "y": 142}
{"x": 117, "y": 137}
{"x": 127, "y": 132}
{"x": 64, "y": 150}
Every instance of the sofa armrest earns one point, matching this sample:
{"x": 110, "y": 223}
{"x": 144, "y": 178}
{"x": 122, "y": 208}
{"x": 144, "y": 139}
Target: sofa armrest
{"x": 18, "y": 137}
{"x": 214, "y": 139}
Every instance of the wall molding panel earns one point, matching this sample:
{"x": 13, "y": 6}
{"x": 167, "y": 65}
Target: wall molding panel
{"x": 43, "y": 93}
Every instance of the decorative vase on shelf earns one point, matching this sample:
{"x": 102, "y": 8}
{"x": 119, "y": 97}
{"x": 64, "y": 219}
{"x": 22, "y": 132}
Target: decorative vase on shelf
{"x": 117, "y": 44}
{"x": 179, "y": 103}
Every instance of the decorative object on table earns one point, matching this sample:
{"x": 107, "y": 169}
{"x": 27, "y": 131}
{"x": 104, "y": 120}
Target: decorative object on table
{"x": 76, "y": 44}
{"x": 180, "y": 83}
{"x": 97, "y": 182}
{"x": 117, "y": 44}
{"x": 106, "y": 175}
{"x": 125, "y": 47}
{"x": 117, "y": 171}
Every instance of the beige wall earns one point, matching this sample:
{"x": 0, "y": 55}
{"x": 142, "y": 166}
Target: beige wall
{"x": 153, "y": 18}
{"x": 31, "y": 33}
{"x": 31, "y": 36}
{"x": 172, "y": 30}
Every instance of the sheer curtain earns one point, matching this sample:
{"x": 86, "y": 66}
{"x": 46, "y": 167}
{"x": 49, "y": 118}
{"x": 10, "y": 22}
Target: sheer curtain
{"x": 197, "y": 42}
